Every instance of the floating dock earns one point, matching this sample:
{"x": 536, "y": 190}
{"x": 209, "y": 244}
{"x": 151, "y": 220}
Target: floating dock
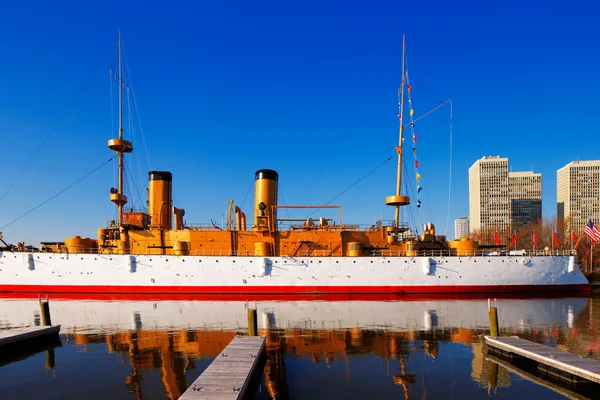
{"x": 18, "y": 335}
{"x": 228, "y": 376}
{"x": 550, "y": 360}
{"x": 563, "y": 391}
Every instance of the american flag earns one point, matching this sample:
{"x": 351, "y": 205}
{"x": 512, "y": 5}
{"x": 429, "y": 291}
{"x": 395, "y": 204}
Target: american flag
{"x": 592, "y": 231}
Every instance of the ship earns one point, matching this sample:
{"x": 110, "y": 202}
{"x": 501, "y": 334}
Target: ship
{"x": 154, "y": 251}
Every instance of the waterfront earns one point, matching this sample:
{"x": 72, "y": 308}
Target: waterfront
{"x": 334, "y": 347}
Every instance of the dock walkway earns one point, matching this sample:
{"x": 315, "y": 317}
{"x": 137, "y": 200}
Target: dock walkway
{"x": 550, "y": 357}
{"x": 16, "y": 335}
{"x": 227, "y": 377}
{"x": 563, "y": 391}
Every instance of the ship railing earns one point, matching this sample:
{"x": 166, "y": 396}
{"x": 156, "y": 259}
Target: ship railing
{"x": 471, "y": 253}
{"x": 288, "y": 226}
{"x": 252, "y": 253}
{"x": 331, "y": 253}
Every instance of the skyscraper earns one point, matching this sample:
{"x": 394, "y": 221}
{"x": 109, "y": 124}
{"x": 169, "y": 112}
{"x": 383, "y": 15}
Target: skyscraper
{"x": 461, "y": 227}
{"x": 578, "y": 194}
{"x": 498, "y": 199}
{"x": 489, "y": 205}
{"x": 525, "y": 192}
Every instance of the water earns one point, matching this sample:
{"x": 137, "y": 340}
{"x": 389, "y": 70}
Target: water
{"x": 324, "y": 348}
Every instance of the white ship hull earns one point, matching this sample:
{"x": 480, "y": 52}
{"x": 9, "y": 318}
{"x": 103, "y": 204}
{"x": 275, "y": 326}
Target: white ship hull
{"x": 97, "y": 273}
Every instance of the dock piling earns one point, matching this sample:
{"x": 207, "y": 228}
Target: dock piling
{"x": 252, "y": 322}
{"x": 45, "y": 310}
{"x": 493, "y": 316}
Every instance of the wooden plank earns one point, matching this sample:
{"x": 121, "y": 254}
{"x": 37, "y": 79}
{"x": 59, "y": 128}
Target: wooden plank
{"x": 562, "y": 360}
{"x": 569, "y": 394}
{"x": 227, "y": 377}
{"x": 14, "y": 335}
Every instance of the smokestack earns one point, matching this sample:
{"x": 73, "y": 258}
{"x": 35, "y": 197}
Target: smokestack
{"x": 160, "y": 194}
{"x": 265, "y": 196}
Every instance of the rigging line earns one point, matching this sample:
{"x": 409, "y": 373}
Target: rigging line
{"x": 54, "y": 129}
{"x": 137, "y": 112}
{"x": 449, "y": 174}
{"x": 355, "y": 183}
{"x": 408, "y": 185}
{"x": 287, "y": 210}
{"x": 247, "y": 193}
{"x": 112, "y": 111}
{"x": 429, "y": 112}
{"x": 59, "y": 193}
{"x": 313, "y": 180}
{"x": 130, "y": 175}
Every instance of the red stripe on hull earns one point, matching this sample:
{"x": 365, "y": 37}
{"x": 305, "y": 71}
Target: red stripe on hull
{"x": 397, "y": 290}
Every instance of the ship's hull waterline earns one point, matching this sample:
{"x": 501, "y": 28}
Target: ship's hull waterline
{"x": 98, "y": 273}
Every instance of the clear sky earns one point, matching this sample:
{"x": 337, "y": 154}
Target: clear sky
{"x": 306, "y": 88}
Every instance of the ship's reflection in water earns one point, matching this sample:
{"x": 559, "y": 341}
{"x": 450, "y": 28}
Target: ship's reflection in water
{"x": 367, "y": 348}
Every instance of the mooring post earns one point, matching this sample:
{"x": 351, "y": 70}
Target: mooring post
{"x": 252, "y": 322}
{"x": 493, "y": 374}
{"x": 45, "y": 310}
{"x": 493, "y": 314}
{"x": 50, "y": 361}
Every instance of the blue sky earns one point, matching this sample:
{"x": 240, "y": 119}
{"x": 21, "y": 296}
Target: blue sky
{"x": 306, "y": 88}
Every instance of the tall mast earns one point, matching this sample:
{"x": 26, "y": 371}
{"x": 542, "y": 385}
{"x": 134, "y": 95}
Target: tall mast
{"x": 397, "y": 201}
{"x": 120, "y": 146}
{"x": 121, "y": 127}
{"x": 400, "y": 129}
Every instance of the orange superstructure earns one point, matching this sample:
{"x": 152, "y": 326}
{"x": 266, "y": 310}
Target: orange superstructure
{"x": 155, "y": 233}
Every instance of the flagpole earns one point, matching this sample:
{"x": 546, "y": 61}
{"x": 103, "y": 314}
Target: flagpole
{"x": 591, "y": 256}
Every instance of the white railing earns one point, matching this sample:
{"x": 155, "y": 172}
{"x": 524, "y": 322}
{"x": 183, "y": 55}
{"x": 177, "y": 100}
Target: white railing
{"x": 329, "y": 253}
{"x": 471, "y": 253}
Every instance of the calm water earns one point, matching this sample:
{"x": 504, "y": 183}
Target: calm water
{"x": 363, "y": 348}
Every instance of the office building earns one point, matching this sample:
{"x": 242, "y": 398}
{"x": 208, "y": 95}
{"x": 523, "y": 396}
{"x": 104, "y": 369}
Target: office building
{"x": 525, "y": 192}
{"x": 578, "y": 194}
{"x": 461, "y": 227}
{"x": 489, "y": 205}
{"x": 500, "y": 200}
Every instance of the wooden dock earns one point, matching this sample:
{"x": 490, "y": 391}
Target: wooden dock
{"x": 18, "y": 335}
{"x": 227, "y": 377}
{"x": 563, "y": 391}
{"x": 548, "y": 357}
